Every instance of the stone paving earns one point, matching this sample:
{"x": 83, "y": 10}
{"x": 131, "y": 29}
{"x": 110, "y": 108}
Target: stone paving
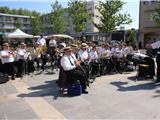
{"x": 115, "y": 96}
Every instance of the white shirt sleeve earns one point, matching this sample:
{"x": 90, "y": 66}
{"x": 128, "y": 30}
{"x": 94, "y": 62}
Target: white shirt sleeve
{"x": 65, "y": 63}
{"x": 155, "y": 45}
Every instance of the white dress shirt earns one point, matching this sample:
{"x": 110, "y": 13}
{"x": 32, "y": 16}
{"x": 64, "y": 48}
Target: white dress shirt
{"x": 93, "y": 55}
{"x": 101, "y": 51}
{"x": 41, "y": 41}
{"x": 156, "y": 44}
{"x": 67, "y": 63}
{"x": 119, "y": 53}
{"x": 83, "y": 55}
{"x": 52, "y": 43}
{"x": 21, "y": 54}
{"x": 9, "y": 59}
{"x": 138, "y": 55}
{"x": 114, "y": 50}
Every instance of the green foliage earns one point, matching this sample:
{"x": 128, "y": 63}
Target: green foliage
{"x": 79, "y": 15}
{"x": 19, "y": 24}
{"x": 36, "y": 25}
{"x": 131, "y": 36}
{"x": 4, "y": 9}
{"x": 57, "y": 18}
{"x": 110, "y": 15}
{"x": 156, "y": 16}
{"x": 19, "y": 11}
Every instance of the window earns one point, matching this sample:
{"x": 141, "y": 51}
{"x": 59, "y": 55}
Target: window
{"x": 145, "y": 2}
{"x": 154, "y": 1}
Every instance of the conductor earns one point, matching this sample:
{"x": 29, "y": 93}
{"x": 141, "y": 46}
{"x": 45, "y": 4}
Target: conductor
{"x": 156, "y": 45}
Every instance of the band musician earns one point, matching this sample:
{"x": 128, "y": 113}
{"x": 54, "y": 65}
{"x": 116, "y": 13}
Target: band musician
{"x": 156, "y": 45}
{"x": 72, "y": 69}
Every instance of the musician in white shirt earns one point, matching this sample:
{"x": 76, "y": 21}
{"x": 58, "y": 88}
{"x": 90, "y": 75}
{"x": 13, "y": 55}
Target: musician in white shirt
{"x": 93, "y": 54}
{"x": 119, "y": 52}
{"x": 114, "y": 48}
{"x": 41, "y": 41}
{"x": 52, "y": 42}
{"x": 75, "y": 49}
{"x": 94, "y": 63}
{"x": 70, "y": 67}
{"x": 156, "y": 45}
{"x": 101, "y": 50}
{"x": 21, "y": 60}
{"x": 7, "y": 58}
{"x": 83, "y": 54}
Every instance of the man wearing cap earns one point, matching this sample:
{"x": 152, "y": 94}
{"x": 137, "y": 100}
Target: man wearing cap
{"x": 21, "y": 57}
{"x": 7, "y": 58}
{"x": 94, "y": 62}
{"x": 83, "y": 54}
{"x": 156, "y": 45}
{"x": 52, "y": 49}
{"x": 70, "y": 67}
{"x": 74, "y": 48}
{"x": 84, "y": 58}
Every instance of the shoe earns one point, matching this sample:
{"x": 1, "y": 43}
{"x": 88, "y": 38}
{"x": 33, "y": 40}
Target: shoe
{"x": 19, "y": 76}
{"x": 12, "y": 78}
{"x": 85, "y": 92}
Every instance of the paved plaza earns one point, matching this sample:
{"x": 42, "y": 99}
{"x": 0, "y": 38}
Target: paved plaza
{"x": 115, "y": 96}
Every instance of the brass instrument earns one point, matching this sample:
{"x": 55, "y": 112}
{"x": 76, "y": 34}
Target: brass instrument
{"x": 57, "y": 52}
{"x": 106, "y": 54}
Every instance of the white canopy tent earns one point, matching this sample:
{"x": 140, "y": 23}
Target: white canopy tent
{"x": 19, "y": 34}
{"x": 60, "y": 36}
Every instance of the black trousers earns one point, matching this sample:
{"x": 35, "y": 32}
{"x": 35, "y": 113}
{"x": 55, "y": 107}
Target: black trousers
{"x": 94, "y": 68}
{"x": 77, "y": 74}
{"x": 30, "y": 66}
{"x": 158, "y": 67}
{"x": 9, "y": 68}
{"x": 21, "y": 67}
{"x": 149, "y": 61}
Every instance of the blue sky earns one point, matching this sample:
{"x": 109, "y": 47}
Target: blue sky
{"x": 44, "y": 6}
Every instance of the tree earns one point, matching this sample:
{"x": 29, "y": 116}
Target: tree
{"x": 131, "y": 36}
{"x": 156, "y": 15}
{"x": 58, "y": 19}
{"x": 4, "y": 9}
{"x": 19, "y": 24}
{"x": 110, "y": 16}
{"x": 78, "y": 12}
{"x": 35, "y": 23}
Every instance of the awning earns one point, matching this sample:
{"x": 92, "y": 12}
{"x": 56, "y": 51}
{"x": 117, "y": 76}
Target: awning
{"x": 19, "y": 34}
{"x": 60, "y": 36}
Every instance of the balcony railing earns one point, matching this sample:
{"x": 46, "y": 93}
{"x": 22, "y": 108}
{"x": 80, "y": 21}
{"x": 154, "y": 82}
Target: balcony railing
{"x": 149, "y": 23}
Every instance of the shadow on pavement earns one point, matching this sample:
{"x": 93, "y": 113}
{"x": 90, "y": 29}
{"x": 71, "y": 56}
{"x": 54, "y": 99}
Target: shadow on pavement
{"x": 50, "y": 88}
{"x": 134, "y": 78}
{"x": 124, "y": 86}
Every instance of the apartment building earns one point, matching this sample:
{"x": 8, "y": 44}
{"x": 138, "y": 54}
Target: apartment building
{"x": 8, "y": 22}
{"x": 149, "y": 31}
{"x": 91, "y": 31}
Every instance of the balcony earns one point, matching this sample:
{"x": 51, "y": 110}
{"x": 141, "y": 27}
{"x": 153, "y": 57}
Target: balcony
{"x": 2, "y": 21}
{"x": 148, "y": 23}
{"x": 149, "y": 6}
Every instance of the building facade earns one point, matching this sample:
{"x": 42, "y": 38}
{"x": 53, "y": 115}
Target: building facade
{"x": 149, "y": 31}
{"x": 8, "y": 23}
{"x": 47, "y": 27}
{"x": 91, "y": 31}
